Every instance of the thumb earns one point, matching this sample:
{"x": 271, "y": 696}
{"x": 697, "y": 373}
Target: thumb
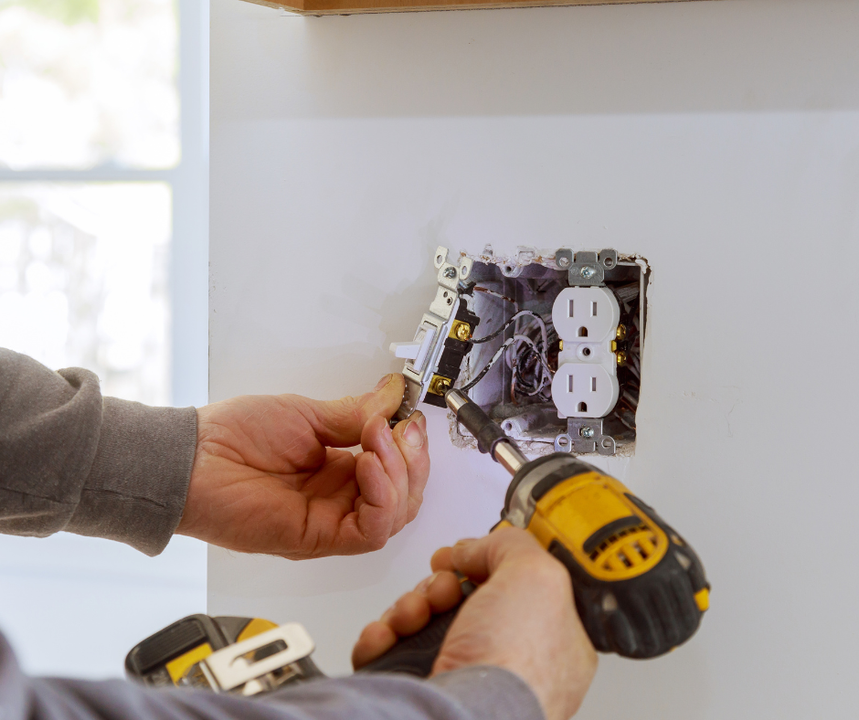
{"x": 338, "y": 423}
{"x": 478, "y": 559}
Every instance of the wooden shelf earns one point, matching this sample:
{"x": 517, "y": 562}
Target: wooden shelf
{"x": 348, "y": 7}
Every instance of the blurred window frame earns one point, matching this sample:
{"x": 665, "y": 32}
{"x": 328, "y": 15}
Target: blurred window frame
{"x": 188, "y": 182}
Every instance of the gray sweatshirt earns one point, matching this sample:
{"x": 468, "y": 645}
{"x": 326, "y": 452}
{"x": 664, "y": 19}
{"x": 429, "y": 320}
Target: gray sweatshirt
{"x": 72, "y": 460}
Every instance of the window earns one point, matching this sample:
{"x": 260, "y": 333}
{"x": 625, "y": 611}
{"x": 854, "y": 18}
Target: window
{"x": 103, "y": 249}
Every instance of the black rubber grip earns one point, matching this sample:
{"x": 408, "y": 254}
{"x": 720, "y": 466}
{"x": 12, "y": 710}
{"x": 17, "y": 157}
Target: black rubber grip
{"x": 416, "y": 654}
{"x": 479, "y": 424}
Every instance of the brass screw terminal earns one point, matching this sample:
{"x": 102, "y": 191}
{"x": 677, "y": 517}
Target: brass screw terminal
{"x": 621, "y": 358}
{"x": 439, "y": 385}
{"x": 461, "y": 331}
{"x": 621, "y": 332}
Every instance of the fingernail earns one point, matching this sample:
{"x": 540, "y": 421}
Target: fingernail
{"x": 424, "y": 584}
{"x": 384, "y": 381}
{"x": 413, "y": 435}
{"x": 387, "y": 615}
{"x": 463, "y": 549}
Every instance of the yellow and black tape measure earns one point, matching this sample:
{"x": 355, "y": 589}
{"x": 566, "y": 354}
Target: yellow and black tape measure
{"x": 224, "y": 654}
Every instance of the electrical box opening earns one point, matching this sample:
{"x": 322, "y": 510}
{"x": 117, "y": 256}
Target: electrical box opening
{"x": 548, "y": 343}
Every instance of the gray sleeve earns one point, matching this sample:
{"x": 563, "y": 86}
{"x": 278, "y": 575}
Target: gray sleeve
{"x": 479, "y": 693}
{"x": 72, "y": 460}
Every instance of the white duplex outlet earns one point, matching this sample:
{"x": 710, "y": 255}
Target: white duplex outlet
{"x": 586, "y": 320}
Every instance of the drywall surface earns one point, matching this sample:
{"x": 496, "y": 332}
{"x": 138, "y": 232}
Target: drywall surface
{"x": 720, "y": 140}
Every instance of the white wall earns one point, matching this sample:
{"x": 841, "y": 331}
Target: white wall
{"x": 718, "y": 139}
{"x": 74, "y": 606}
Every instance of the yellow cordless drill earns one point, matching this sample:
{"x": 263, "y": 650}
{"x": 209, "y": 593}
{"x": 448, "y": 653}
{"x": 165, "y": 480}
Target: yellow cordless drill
{"x": 640, "y": 589}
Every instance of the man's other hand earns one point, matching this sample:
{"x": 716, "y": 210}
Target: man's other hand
{"x": 268, "y": 476}
{"x": 521, "y": 617}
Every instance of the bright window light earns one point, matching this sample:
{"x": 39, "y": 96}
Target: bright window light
{"x": 103, "y": 250}
{"x": 83, "y": 281}
{"x": 88, "y": 82}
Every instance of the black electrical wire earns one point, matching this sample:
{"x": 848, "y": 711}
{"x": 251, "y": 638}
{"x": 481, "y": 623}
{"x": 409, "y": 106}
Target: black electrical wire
{"x": 498, "y": 353}
{"x": 486, "y": 368}
{"x": 506, "y": 325}
{"x": 528, "y": 377}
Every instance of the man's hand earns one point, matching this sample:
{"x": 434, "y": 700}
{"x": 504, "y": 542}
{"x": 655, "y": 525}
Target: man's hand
{"x": 522, "y": 617}
{"x": 266, "y": 479}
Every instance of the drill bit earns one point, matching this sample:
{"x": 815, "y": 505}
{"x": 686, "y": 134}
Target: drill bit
{"x": 490, "y": 437}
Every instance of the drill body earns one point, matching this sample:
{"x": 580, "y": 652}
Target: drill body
{"x": 640, "y": 589}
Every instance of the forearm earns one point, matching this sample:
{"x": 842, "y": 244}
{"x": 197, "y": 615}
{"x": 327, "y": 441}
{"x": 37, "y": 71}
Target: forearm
{"x": 480, "y": 693}
{"x": 72, "y": 460}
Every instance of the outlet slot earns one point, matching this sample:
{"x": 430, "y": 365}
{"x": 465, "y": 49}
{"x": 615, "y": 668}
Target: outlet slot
{"x": 581, "y": 390}
{"x": 586, "y": 312}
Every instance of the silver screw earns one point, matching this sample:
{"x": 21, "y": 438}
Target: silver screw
{"x": 450, "y": 273}
{"x": 588, "y": 272}
{"x": 586, "y": 432}
{"x": 563, "y": 261}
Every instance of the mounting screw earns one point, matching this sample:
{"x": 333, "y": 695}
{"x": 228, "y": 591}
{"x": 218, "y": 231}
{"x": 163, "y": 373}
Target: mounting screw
{"x": 563, "y": 261}
{"x": 450, "y": 273}
{"x": 587, "y": 272}
{"x": 586, "y": 432}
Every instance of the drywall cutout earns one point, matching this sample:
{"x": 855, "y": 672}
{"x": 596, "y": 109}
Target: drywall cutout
{"x": 556, "y": 358}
